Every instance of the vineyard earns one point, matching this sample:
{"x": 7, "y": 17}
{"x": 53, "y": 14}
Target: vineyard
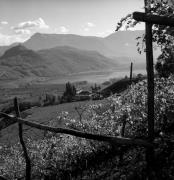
{"x": 62, "y": 156}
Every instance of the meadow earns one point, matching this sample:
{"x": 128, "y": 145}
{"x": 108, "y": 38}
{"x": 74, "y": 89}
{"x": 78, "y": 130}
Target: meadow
{"x": 43, "y": 115}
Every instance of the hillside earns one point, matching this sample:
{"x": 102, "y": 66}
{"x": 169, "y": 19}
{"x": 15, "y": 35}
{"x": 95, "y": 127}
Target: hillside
{"x": 45, "y": 41}
{"x": 65, "y": 156}
{"x": 121, "y": 45}
{"x": 68, "y": 54}
{"x": 118, "y": 44}
{"x": 67, "y": 60}
{"x": 20, "y": 62}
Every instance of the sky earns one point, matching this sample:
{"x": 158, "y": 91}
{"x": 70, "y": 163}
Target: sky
{"x": 20, "y": 19}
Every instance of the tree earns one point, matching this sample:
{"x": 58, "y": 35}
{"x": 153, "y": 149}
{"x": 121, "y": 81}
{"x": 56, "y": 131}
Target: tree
{"x": 95, "y": 88}
{"x": 162, "y": 35}
{"x": 165, "y": 65}
{"x": 70, "y": 92}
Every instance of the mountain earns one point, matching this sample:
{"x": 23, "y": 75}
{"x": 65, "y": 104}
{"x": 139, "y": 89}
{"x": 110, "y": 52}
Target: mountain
{"x": 5, "y": 48}
{"x": 45, "y": 41}
{"x": 51, "y": 55}
{"x": 118, "y": 44}
{"x": 67, "y": 60}
{"x": 123, "y": 43}
{"x": 21, "y": 62}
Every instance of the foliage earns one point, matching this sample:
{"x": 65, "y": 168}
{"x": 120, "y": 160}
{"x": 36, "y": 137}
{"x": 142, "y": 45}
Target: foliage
{"x": 165, "y": 66}
{"x": 120, "y": 86}
{"x": 162, "y": 35}
{"x": 65, "y": 156}
{"x": 49, "y": 99}
{"x": 70, "y": 92}
{"x": 95, "y": 88}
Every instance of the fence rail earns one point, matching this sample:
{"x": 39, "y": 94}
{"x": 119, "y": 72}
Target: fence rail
{"x": 110, "y": 139}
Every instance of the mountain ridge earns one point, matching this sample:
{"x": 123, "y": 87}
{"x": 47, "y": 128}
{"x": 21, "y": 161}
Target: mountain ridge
{"x": 59, "y": 54}
{"x": 51, "y": 62}
{"x": 113, "y": 45}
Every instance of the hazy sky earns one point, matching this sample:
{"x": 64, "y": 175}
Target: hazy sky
{"x": 19, "y": 19}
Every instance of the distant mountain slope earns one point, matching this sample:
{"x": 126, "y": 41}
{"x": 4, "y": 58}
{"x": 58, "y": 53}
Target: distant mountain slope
{"x": 20, "y": 62}
{"x": 72, "y": 60}
{"x": 5, "y": 48}
{"x": 122, "y": 43}
{"x": 118, "y": 44}
{"x": 45, "y": 41}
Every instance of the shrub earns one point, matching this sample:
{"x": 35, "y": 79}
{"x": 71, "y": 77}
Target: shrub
{"x": 61, "y": 155}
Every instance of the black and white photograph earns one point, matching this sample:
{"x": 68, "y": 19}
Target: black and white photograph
{"x": 86, "y": 89}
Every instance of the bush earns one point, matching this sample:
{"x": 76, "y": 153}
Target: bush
{"x": 60, "y": 155}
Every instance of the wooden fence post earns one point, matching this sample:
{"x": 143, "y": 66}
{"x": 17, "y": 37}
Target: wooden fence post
{"x": 27, "y": 159}
{"x": 150, "y": 98}
{"x": 131, "y": 67}
{"x": 124, "y": 121}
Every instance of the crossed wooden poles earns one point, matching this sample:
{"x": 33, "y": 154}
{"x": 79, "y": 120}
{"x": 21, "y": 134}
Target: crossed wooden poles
{"x": 149, "y": 20}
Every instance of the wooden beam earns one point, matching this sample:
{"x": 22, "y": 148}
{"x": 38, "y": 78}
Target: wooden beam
{"x": 150, "y": 84}
{"x": 24, "y": 148}
{"x": 110, "y": 139}
{"x": 153, "y": 19}
{"x": 150, "y": 100}
{"x": 131, "y": 67}
{"x": 9, "y": 108}
{"x": 150, "y": 80}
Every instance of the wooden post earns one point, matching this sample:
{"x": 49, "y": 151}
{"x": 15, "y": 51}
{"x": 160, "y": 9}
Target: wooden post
{"x": 150, "y": 19}
{"x": 27, "y": 159}
{"x": 131, "y": 67}
{"x": 124, "y": 118}
{"x": 154, "y": 19}
{"x": 150, "y": 81}
{"x": 150, "y": 97}
{"x": 98, "y": 137}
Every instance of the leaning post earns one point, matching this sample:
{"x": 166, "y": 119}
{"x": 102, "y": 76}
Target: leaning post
{"x": 26, "y": 156}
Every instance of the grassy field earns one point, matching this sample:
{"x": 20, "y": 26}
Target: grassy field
{"x": 41, "y": 115}
{"x": 30, "y": 92}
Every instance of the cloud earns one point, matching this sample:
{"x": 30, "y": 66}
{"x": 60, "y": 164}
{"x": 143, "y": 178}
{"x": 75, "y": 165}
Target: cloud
{"x": 90, "y": 24}
{"x": 38, "y": 23}
{"x": 4, "y": 22}
{"x": 22, "y": 31}
{"x": 9, "y": 39}
{"x": 64, "y": 29}
{"x": 86, "y": 29}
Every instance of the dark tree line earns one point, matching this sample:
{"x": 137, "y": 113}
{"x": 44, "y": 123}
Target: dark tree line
{"x": 69, "y": 93}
